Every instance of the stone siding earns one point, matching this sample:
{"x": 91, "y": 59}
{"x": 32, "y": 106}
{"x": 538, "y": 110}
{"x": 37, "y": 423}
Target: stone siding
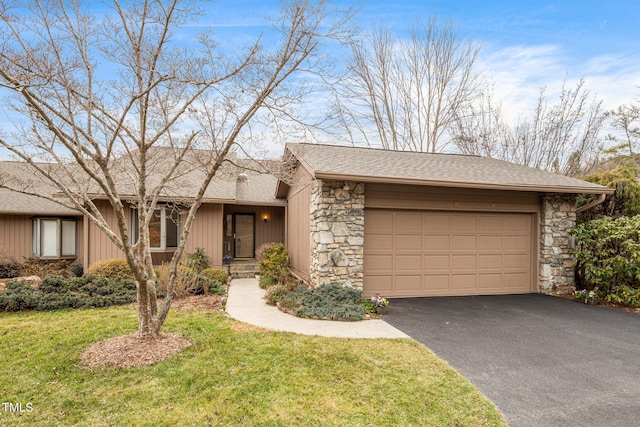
{"x": 337, "y": 233}
{"x": 557, "y": 265}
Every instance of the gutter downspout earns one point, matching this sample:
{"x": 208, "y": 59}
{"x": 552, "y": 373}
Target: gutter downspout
{"x": 592, "y": 204}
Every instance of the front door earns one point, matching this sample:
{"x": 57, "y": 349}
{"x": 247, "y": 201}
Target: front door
{"x": 243, "y": 235}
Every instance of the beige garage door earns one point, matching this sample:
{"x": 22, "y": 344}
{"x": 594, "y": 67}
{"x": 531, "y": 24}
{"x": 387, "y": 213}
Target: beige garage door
{"x": 420, "y": 253}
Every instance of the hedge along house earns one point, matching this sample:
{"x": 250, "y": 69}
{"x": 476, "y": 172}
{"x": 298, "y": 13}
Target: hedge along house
{"x": 239, "y": 213}
{"x": 405, "y": 224}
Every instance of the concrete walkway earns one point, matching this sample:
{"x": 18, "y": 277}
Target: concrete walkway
{"x": 246, "y": 304}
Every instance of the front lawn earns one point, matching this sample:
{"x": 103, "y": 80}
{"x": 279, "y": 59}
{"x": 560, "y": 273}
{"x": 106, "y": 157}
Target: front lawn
{"x": 233, "y": 374}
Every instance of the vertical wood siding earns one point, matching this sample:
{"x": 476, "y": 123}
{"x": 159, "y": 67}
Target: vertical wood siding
{"x": 298, "y": 231}
{"x": 15, "y": 236}
{"x": 206, "y": 232}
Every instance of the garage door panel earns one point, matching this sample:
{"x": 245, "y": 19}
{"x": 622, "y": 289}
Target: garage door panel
{"x": 463, "y": 282}
{"x": 488, "y": 282}
{"x": 381, "y": 285}
{"x": 464, "y": 243}
{"x": 408, "y": 242}
{"x": 437, "y": 263}
{"x": 490, "y": 243}
{"x": 436, "y": 243}
{"x": 377, "y": 263}
{"x": 423, "y": 253}
{"x": 517, "y": 243}
{"x": 378, "y": 242}
{"x": 436, "y": 282}
{"x": 464, "y": 223}
{"x": 515, "y": 281}
{"x": 517, "y": 261}
{"x": 490, "y": 262}
{"x": 490, "y": 223}
{"x": 463, "y": 262}
{"x": 408, "y": 221}
{"x": 436, "y": 223}
{"x": 404, "y": 283}
{"x": 517, "y": 223}
{"x": 380, "y": 222}
{"x": 408, "y": 263}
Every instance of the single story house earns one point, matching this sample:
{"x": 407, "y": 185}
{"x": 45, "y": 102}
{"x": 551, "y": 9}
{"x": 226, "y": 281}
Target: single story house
{"x": 399, "y": 224}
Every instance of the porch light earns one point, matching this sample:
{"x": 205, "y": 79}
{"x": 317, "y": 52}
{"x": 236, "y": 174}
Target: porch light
{"x": 265, "y": 218}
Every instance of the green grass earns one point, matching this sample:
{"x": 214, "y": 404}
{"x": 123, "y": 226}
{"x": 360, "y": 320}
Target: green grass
{"x": 232, "y": 375}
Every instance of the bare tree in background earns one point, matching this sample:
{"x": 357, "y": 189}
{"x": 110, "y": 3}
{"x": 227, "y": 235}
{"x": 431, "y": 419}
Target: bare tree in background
{"x": 115, "y": 106}
{"x": 625, "y": 121}
{"x": 405, "y": 94}
{"x": 562, "y": 137}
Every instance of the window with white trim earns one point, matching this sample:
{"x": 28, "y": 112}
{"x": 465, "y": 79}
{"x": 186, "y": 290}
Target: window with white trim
{"x": 164, "y": 227}
{"x": 54, "y": 238}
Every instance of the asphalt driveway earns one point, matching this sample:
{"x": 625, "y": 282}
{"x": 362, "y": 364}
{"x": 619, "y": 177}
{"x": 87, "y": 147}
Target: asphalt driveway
{"x": 544, "y": 361}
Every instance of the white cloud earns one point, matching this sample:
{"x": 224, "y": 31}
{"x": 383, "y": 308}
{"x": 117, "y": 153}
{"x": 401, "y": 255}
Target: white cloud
{"x": 518, "y": 73}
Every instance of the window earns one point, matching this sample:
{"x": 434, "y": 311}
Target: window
{"x": 164, "y": 227}
{"x": 54, "y": 238}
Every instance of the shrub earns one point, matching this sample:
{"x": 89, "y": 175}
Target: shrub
{"x": 189, "y": 282}
{"x": 625, "y": 295}
{"x": 266, "y": 282}
{"x": 330, "y": 301}
{"x": 198, "y": 260}
{"x": 218, "y": 274}
{"x": 113, "y": 267}
{"x": 42, "y": 267}
{"x": 608, "y": 251}
{"x": 274, "y": 261}
{"x": 9, "y": 269}
{"x": 76, "y": 269}
{"x": 56, "y": 292}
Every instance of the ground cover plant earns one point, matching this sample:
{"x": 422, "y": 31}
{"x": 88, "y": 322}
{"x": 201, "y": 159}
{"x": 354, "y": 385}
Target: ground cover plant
{"x": 231, "y": 374}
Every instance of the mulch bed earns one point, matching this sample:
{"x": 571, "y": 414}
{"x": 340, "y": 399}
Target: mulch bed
{"x": 128, "y": 351}
{"x": 622, "y": 307}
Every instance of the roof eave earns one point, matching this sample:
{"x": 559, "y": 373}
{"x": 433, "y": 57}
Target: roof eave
{"x": 465, "y": 184}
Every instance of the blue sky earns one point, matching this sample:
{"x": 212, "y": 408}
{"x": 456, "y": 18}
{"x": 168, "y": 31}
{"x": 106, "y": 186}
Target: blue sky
{"x": 526, "y": 44}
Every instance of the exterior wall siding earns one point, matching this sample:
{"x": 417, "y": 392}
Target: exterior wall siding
{"x": 99, "y": 245}
{"x": 206, "y": 232}
{"x": 337, "y": 232}
{"x": 394, "y": 196}
{"x": 298, "y": 232}
{"x": 16, "y": 235}
{"x": 557, "y": 265}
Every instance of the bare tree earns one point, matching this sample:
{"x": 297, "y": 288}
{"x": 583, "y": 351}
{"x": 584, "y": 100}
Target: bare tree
{"x": 116, "y": 107}
{"x": 561, "y": 137}
{"x": 405, "y": 94}
{"x": 625, "y": 121}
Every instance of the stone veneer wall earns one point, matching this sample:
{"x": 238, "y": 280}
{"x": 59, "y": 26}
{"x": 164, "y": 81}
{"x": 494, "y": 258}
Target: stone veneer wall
{"x": 337, "y": 233}
{"x": 557, "y": 265}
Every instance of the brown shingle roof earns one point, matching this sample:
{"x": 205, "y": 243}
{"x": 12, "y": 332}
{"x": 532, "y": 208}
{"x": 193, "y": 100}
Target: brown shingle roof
{"x": 259, "y": 188}
{"x": 21, "y": 176}
{"x": 445, "y": 170}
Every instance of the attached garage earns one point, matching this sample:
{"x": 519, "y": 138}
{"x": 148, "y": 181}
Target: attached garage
{"x": 426, "y": 253}
{"x": 405, "y": 224}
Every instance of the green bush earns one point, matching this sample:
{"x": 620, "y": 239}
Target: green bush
{"x": 56, "y": 292}
{"x": 218, "y": 274}
{"x": 608, "y": 253}
{"x": 266, "y": 282}
{"x": 113, "y": 267}
{"x": 9, "y": 269}
{"x": 274, "y": 262}
{"x": 329, "y": 302}
{"x": 198, "y": 260}
{"x": 625, "y": 295}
